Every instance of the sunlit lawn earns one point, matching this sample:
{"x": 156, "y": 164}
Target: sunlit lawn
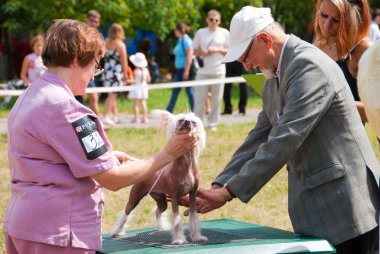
{"x": 268, "y": 207}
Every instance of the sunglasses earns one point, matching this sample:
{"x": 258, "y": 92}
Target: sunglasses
{"x": 213, "y": 20}
{"x": 98, "y": 69}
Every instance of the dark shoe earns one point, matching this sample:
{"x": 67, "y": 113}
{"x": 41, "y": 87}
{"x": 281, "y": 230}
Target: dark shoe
{"x": 227, "y": 113}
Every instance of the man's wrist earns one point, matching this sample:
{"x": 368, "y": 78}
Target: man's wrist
{"x": 216, "y": 186}
{"x": 232, "y": 195}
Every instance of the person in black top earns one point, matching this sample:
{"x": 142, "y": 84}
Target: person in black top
{"x": 342, "y": 29}
{"x": 235, "y": 69}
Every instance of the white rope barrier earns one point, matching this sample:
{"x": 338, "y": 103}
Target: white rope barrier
{"x": 192, "y": 83}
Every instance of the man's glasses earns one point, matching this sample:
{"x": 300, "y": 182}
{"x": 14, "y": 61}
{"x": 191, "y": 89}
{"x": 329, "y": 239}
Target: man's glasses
{"x": 98, "y": 69}
{"x": 213, "y": 20}
{"x": 243, "y": 59}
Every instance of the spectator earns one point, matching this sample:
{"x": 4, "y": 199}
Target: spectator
{"x": 369, "y": 87}
{"x": 153, "y": 69}
{"x": 183, "y": 53}
{"x": 235, "y": 69}
{"x": 32, "y": 66}
{"x": 145, "y": 47}
{"x": 60, "y": 157}
{"x": 93, "y": 20}
{"x": 115, "y": 69}
{"x": 210, "y": 43}
{"x": 375, "y": 31}
{"x": 310, "y": 123}
{"x": 342, "y": 29}
{"x": 140, "y": 94}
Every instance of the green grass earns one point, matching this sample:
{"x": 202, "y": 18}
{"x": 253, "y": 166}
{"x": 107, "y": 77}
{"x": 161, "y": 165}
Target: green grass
{"x": 268, "y": 207}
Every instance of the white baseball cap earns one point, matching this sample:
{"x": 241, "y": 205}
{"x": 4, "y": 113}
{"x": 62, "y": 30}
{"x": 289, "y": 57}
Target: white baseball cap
{"x": 245, "y": 24}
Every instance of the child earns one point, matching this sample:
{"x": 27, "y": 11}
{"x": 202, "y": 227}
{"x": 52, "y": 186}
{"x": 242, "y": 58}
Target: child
{"x": 32, "y": 66}
{"x": 140, "y": 93}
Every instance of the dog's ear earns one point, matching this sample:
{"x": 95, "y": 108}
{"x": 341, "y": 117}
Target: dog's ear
{"x": 164, "y": 117}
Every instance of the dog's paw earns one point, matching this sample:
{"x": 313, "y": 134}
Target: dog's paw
{"x": 117, "y": 233}
{"x": 119, "y": 227}
{"x": 179, "y": 241}
{"x": 198, "y": 238}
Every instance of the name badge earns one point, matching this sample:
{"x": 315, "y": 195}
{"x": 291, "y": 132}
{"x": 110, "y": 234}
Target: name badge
{"x": 92, "y": 143}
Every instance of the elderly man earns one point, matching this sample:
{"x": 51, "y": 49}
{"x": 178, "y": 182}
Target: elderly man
{"x": 310, "y": 123}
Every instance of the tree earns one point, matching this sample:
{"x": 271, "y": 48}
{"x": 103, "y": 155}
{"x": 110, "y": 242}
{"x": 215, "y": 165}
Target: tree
{"x": 295, "y": 16}
{"x": 159, "y": 16}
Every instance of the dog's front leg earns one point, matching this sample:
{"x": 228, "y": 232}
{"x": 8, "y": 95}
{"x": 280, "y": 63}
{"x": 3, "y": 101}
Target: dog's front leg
{"x": 178, "y": 235}
{"x": 194, "y": 223}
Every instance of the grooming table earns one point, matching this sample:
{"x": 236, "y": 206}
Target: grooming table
{"x": 225, "y": 236}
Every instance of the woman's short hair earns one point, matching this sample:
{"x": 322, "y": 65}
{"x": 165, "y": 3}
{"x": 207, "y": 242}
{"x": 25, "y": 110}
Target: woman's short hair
{"x": 116, "y": 32}
{"x": 35, "y": 39}
{"x": 355, "y": 20}
{"x": 68, "y": 39}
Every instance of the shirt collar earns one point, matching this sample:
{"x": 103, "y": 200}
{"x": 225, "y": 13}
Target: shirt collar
{"x": 278, "y": 71}
{"x": 51, "y": 78}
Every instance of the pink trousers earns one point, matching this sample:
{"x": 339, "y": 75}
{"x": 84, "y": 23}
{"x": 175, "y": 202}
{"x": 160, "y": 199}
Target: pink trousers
{"x": 19, "y": 246}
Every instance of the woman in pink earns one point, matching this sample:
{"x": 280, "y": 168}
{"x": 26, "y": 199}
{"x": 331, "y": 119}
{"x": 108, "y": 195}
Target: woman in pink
{"x": 32, "y": 66}
{"x": 59, "y": 155}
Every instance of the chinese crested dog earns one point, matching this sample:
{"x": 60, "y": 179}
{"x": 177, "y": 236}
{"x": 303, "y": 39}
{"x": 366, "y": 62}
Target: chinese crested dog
{"x": 177, "y": 179}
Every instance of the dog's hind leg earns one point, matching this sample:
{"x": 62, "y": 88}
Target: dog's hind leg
{"x": 137, "y": 193}
{"x": 178, "y": 237}
{"x": 160, "y": 217}
{"x": 194, "y": 223}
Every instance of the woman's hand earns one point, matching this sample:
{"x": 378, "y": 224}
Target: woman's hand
{"x": 122, "y": 157}
{"x": 180, "y": 144}
{"x": 185, "y": 75}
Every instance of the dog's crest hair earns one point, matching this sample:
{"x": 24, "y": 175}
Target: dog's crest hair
{"x": 168, "y": 121}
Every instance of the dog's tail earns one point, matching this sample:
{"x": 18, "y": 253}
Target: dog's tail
{"x": 121, "y": 223}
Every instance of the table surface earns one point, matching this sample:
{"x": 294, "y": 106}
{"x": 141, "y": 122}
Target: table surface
{"x": 266, "y": 240}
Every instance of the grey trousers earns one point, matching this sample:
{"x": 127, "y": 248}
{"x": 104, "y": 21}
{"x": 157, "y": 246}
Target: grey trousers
{"x": 216, "y": 99}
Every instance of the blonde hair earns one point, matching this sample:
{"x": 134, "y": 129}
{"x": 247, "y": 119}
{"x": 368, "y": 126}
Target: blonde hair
{"x": 67, "y": 39}
{"x": 116, "y": 32}
{"x": 354, "y": 25}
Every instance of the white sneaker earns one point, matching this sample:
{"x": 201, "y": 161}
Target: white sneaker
{"x": 240, "y": 114}
{"x": 213, "y": 128}
{"x": 116, "y": 119}
{"x": 107, "y": 121}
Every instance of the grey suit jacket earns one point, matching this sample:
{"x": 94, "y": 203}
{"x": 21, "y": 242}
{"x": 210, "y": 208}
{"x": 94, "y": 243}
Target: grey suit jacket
{"x": 310, "y": 123}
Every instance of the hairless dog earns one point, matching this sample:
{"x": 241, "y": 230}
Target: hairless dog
{"x": 179, "y": 178}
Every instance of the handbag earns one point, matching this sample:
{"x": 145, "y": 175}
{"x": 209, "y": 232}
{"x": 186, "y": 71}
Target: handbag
{"x": 200, "y": 62}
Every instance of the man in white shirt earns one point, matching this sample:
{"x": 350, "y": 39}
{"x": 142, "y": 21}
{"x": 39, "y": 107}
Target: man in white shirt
{"x": 211, "y": 43}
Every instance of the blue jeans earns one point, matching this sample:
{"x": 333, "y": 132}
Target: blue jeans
{"x": 175, "y": 92}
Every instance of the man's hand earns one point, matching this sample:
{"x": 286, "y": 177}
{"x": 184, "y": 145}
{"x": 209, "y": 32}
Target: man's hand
{"x": 214, "y": 197}
{"x": 207, "y": 200}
